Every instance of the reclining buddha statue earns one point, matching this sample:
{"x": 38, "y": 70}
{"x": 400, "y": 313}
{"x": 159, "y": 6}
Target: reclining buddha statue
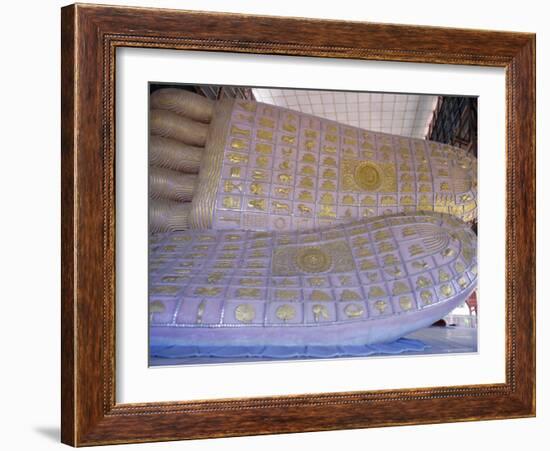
{"x": 272, "y": 227}
{"x": 239, "y": 164}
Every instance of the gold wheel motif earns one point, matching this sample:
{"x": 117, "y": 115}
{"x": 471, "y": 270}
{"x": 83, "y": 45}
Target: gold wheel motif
{"x": 313, "y": 260}
{"x": 367, "y": 176}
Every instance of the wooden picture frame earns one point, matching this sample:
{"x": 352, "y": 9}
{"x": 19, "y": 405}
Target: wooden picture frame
{"x": 90, "y": 36}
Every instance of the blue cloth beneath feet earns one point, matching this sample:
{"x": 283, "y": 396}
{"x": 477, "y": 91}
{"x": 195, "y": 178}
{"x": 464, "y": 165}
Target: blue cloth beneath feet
{"x": 282, "y": 352}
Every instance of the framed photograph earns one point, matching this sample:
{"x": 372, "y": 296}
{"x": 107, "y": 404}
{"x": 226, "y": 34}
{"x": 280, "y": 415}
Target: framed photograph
{"x": 279, "y": 225}
{"x": 303, "y": 236}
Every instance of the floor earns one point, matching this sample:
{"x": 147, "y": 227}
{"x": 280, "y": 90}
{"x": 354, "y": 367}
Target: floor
{"x": 446, "y": 340}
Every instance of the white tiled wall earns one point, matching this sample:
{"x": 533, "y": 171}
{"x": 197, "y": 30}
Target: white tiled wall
{"x": 399, "y": 114}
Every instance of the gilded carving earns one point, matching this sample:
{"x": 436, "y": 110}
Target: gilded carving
{"x": 313, "y": 260}
{"x": 257, "y": 189}
{"x": 381, "y": 306}
{"x": 245, "y": 313}
{"x": 326, "y": 211}
{"x": 349, "y": 295}
{"x": 354, "y": 310}
{"x": 280, "y": 206}
{"x": 426, "y": 297}
{"x": 258, "y": 204}
{"x": 285, "y": 312}
{"x": 239, "y": 131}
{"x": 231, "y": 202}
{"x": 319, "y": 312}
{"x": 405, "y": 302}
{"x": 248, "y": 292}
{"x": 208, "y": 291}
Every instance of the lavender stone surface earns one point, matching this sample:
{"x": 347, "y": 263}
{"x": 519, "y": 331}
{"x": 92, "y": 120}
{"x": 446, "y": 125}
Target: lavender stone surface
{"x": 359, "y": 283}
{"x": 266, "y": 168}
{"x": 279, "y": 169}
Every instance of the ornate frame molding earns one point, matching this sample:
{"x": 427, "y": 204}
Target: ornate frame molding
{"x": 90, "y": 36}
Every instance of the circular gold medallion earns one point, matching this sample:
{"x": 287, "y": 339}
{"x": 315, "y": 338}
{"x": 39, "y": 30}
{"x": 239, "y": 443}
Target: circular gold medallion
{"x": 245, "y": 313}
{"x": 280, "y": 223}
{"x": 313, "y": 260}
{"x": 367, "y": 176}
{"x": 285, "y": 312}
